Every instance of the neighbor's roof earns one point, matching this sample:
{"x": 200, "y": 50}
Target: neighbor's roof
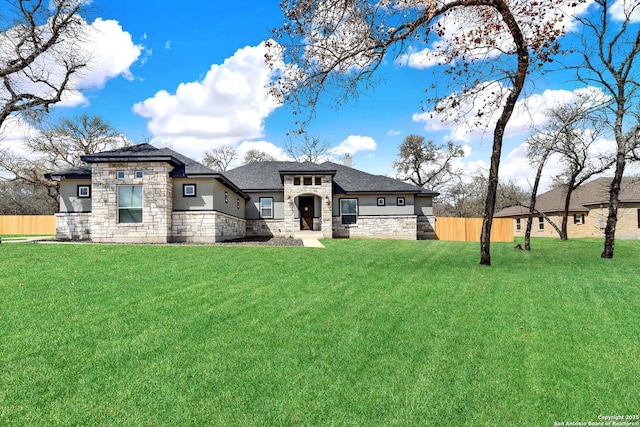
{"x": 267, "y": 176}
{"x": 588, "y": 195}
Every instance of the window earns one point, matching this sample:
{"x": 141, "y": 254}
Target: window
{"x": 349, "y": 211}
{"x": 318, "y": 180}
{"x": 139, "y": 174}
{"x": 540, "y": 223}
{"x": 84, "y": 191}
{"x": 266, "y": 207}
{"x": 238, "y": 203}
{"x": 129, "y": 204}
{"x": 120, "y": 174}
{"x": 226, "y": 197}
{"x": 578, "y": 219}
{"x": 400, "y": 201}
{"x": 188, "y": 190}
{"x": 381, "y": 201}
{"x": 638, "y": 218}
{"x": 296, "y": 180}
{"x": 518, "y": 224}
{"x": 307, "y": 180}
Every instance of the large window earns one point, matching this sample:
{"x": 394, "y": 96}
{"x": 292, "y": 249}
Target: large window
{"x": 129, "y": 204}
{"x": 540, "y": 223}
{"x": 349, "y": 211}
{"x": 266, "y": 207}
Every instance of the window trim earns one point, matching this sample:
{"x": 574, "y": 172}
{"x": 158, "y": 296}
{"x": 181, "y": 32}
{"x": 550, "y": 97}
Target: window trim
{"x": 540, "y": 223}
{"x": 120, "y": 174}
{"x": 84, "y": 187}
{"x": 139, "y": 174}
{"x": 518, "y": 224}
{"x": 261, "y": 208}
{"x": 317, "y": 180}
{"x": 185, "y": 192}
{"x": 296, "y": 180}
{"x": 578, "y": 219}
{"x": 401, "y": 201}
{"x": 131, "y": 208}
{"x": 307, "y": 180}
{"x": 381, "y": 201}
{"x": 226, "y": 197}
{"x": 354, "y": 215}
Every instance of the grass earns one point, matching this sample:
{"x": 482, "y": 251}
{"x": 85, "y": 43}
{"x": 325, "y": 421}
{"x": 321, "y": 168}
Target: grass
{"x": 364, "y": 332}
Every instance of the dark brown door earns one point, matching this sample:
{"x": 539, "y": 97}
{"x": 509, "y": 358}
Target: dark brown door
{"x": 306, "y": 213}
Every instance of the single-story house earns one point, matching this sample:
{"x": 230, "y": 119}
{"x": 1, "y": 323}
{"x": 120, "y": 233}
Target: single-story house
{"x": 588, "y": 210}
{"x": 146, "y": 194}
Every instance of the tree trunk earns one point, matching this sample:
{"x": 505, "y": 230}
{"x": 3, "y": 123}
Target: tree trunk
{"x": 532, "y": 203}
{"x": 501, "y": 124}
{"x": 564, "y": 235}
{"x": 614, "y": 201}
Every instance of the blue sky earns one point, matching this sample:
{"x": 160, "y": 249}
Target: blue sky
{"x": 190, "y": 77}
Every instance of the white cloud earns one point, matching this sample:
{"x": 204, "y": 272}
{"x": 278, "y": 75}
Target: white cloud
{"x": 112, "y": 53}
{"x": 264, "y": 146}
{"x": 167, "y": 45}
{"x": 107, "y": 49}
{"x": 354, "y": 144}
{"x": 527, "y": 113}
{"x": 13, "y": 133}
{"x": 623, "y": 8}
{"x": 227, "y": 106}
{"x": 393, "y": 132}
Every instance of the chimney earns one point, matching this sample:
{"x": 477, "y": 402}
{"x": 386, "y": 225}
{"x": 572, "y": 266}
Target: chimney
{"x": 347, "y": 160}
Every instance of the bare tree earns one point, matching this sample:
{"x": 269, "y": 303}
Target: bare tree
{"x": 609, "y": 48}
{"x": 57, "y": 147}
{"x": 539, "y": 149}
{"x": 254, "y": 155}
{"x": 38, "y": 54}
{"x": 426, "y": 164}
{"x": 308, "y": 148}
{"x": 466, "y": 197}
{"x": 340, "y": 44}
{"x": 219, "y": 159}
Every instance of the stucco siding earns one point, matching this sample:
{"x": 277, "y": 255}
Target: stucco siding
{"x": 210, "y": 196}
{"x": 69, "y": 200}
{"x": 368, "y": 204}
{"x": 253, "y": 205}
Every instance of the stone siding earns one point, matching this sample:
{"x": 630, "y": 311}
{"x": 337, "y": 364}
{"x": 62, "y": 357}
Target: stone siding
{"x": 266, "y": 228}
{"x": 323, "y": 195}
{"x": 157, "y": 192}
{"x": 73, "y": 226}
{"x": 206, "y": 227}
{"x": 426, "y": 227}
{"x": 380, "y": 227}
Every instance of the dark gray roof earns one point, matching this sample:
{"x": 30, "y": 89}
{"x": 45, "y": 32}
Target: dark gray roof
{"x": 267, "y": 176}
{"x": 592, "y": 193}
{"x": 349, "y": 180}
{"x": 184, "y": 166}
{"x": 79, "y": 172}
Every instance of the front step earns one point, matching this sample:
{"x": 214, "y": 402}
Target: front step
{"x": 308, "y": 235}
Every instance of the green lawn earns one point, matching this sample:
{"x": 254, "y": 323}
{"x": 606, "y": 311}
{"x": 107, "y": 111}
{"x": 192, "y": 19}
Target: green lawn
{"x": 364, "y": 333}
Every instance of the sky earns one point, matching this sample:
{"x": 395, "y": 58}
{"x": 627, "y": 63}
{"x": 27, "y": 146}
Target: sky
{"x": 192, "y": 76}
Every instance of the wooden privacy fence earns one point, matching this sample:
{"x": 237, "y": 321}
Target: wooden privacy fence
{"x": 469, "y": 229}
{"x": 27, "y": 224}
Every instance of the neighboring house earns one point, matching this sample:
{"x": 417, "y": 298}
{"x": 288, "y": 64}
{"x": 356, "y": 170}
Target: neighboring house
{"x": 588, "y": 211}
{"x": 156, "y": 195}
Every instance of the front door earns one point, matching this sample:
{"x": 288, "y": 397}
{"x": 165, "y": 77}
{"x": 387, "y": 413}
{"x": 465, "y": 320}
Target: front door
{"x": 306, "y": 213}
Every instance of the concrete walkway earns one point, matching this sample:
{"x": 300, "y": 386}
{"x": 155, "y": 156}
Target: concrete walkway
{"x": 312, "y": 243}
